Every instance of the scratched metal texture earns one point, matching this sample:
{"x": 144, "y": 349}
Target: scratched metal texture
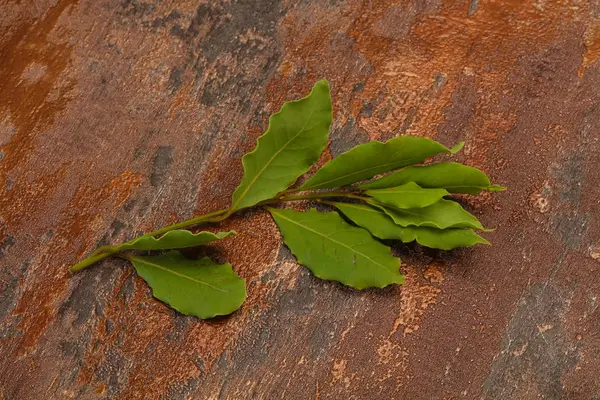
{"x": 117, "y": 117}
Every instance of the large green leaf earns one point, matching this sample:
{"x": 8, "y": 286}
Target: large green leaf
{"x": 335, "y": 250}
{"x": 382, "y": 226}
{"x": 178, "y": 239}
{"x": 409, "y": 195}
{"x": 293, "y": 142}
{"x": 369, "y": 159}
{"x": 443, "y": 214}
{"x": 454, "y": 177}
{"x": 194, "y": 287}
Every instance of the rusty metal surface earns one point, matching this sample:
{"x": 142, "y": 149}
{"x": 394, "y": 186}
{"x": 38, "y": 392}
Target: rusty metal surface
{"x": 117, "y": 117}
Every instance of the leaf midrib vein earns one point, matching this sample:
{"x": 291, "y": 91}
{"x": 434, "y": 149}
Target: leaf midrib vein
{"x": 335, "y": 241}
{"x": 176, "y": 273}
{"x": 253, "y": 181}
{"x": 357, "y": 172}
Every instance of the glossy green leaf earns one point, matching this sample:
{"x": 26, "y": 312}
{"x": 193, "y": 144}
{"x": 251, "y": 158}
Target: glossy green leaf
{"x": 382, "y": 226}
{"x": 409, "y": 195}
{"x": 335, "y": 250}
{"x": 454, "y": 177}
{"x": 369, "y": 159}
{"x": 293, "y": 142}
{"x": 178, "y": 239}
{"x": 443, "y": 214}
{"x": 194, "y": 287}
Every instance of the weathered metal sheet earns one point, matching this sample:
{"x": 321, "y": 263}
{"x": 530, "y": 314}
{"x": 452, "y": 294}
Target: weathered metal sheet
{"x": 117, "y": 117}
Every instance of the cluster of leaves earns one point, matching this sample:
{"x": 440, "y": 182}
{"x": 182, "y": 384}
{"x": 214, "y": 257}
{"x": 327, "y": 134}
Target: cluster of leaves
{"x": 408, "y": 204}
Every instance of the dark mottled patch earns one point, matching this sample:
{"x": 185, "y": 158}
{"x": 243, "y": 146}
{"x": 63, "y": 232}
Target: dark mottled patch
{"x": 458, "y": 116}
{"x": 109, "y": 326}
{"x": 408, "y": 119}
{"x": 47, "y": 236}
{"x": 366, "y": 110}
{"x": 7, "y": 242}
{"x": 88, "y": 296}
{"x": 223, "y": 27}
{"x": 536, "y": 349}
{"x": 161, "y": 22}
{"x": 358, "y": 87}
{"x": 127, "y": 288}
{"x": 439, "y": 80}
{"x": 177, "y": 31}
{"x": 570, "y": 175}
{"x": 110, "y": 371}
{"x": 137, "y": 8}
{"x": 571, "y": 227}
{"x": 346, "y": 137}
{"x": 473, "y": 5}
{"x": 116, "y": 228}
{"x": 71, "y": 349}
{"x": 175, "y": 79}
{"x": 9, "y": 283}
{"x": 182, "y": 390}
{"x": 160, "y": 167}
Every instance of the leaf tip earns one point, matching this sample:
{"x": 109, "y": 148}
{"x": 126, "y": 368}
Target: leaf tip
{"x": 457, "y": 148}
{"x": 496, "y": 188}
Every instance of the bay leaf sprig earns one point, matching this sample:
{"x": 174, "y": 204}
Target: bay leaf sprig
{"x": 405, "y": 202}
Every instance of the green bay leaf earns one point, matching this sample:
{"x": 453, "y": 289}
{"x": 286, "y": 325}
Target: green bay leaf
{"x": 443, "y": 214}
{"x": 335, "y": 250}
{"x": 409, "y": 195}
{"x": 193, "y": 287}
{"x": 293, "y": 142}
{"x": 454, "y": 177}
{"x": 383, "y": 227}
{"x": 367, "y": 160}
{"x": 177, "y": 239}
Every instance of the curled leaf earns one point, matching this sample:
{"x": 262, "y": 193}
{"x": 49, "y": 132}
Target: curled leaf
{"x": 443, "y": 214}
{"x": 409, "y": 195}
{"x": 383, "y": 227}
{"x": 454, "y": 177}
{"x": 367, "y": 160}
{"x": 178, "y": 239}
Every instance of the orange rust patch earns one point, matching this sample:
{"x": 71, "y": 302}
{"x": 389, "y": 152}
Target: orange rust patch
{"x": 416, "y": 296}
{"x": 36, "y": 305}
{"x": 33, "y": 62}
{"x": 591, "y": 39}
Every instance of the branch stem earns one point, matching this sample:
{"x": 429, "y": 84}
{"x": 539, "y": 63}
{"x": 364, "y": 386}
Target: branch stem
{"x": 106, "y": 251}
{"x": 216, "y": 216}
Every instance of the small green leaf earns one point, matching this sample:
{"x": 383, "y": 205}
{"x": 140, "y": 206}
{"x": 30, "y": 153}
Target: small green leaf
{"x": 335, "y": 250}
{"x": 409, "y": 195}
{"x": 454, "y": 177}
{"x": 443, "y": 214}
{"x": 382, "y": 226}
{"x": 293, "y": 142}
{"x": 193, "y": 287}
{"x": 178, "y": 239}
{"x": 367, "y": 160}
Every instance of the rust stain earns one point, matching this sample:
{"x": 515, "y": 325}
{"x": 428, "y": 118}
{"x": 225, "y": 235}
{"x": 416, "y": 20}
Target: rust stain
{"x": 417, "y": 295}
{"x": 34, "y": 60}
{"x": 36, "y": 306}
{"x": 591, "y": 38}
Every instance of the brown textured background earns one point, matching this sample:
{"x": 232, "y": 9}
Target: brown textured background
{"x": 117, "y": 117}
